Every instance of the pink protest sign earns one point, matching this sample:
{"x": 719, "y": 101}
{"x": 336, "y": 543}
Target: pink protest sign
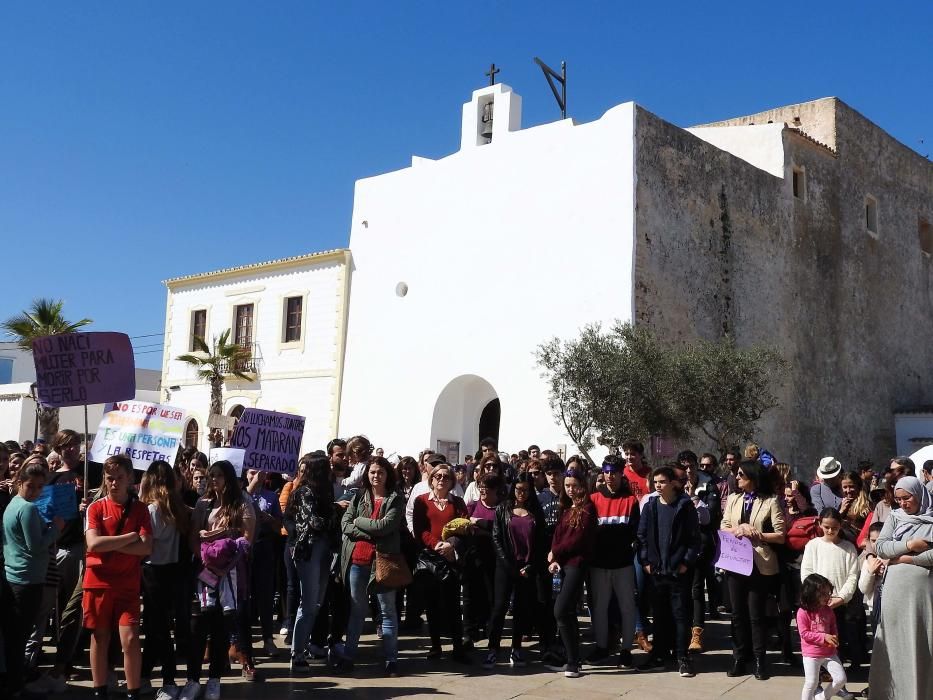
{"x": 736, "y": 554}
{"x": 77, "y": 369}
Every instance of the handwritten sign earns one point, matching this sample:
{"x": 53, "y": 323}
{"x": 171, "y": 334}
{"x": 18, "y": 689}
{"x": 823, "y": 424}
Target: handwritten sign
{"x": 142, "y": 431}
{"x": 57, "y": 499}
{"x": 230, "y": 454}
{"x": 270, "y": 440}
{"x": 736, "y": 554}
{"x": 77, "y": 369}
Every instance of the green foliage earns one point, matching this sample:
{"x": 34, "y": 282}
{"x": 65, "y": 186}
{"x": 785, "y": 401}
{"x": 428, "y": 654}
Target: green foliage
{"x": 44, "y": 317}
{"x": 214, "y": 363}
{"x": 609, "y": 387}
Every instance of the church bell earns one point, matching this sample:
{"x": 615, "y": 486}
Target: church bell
{"x": 486, "y": 132}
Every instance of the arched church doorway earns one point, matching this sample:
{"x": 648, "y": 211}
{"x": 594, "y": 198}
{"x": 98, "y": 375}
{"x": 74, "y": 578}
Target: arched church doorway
{"x": 465, "y": 408}
{"x": 489, "y": 421}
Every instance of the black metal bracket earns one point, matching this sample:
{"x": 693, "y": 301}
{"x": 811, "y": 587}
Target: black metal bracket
{"x": 552, "y": 75}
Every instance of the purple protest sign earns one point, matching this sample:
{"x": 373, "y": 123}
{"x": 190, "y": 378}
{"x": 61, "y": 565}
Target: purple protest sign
{"x": 736, "y": 554}
{"x": 78, "y": 369}
{"x": 270, "y": 441}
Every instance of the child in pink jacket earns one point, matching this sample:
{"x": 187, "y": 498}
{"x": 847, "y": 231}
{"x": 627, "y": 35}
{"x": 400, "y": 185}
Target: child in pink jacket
{"x": 819, "y": 639}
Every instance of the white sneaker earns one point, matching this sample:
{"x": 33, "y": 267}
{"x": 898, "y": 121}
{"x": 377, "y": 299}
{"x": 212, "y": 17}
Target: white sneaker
{"x": 191, "y": 691}
{"x": 167, "y": 692}
{"x": 284, "y": 631}
{"x": 269, "y": 648}
{"x": 212, "y": 692}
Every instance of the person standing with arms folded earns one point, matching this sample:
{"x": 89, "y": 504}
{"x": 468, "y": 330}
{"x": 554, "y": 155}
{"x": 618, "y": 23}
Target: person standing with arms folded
{"x": 754, "y": 513}
{"x": 119, "y": 537}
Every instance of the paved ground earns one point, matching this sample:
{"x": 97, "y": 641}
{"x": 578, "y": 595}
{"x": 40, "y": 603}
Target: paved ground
{"x": 422, "y": 679}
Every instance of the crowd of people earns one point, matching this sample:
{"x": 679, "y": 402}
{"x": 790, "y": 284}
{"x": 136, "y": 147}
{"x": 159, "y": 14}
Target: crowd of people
{"x": 192, "y": 564}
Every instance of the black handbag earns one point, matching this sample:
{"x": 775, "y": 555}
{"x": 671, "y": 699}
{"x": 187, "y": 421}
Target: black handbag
{"x": 433, "y": 564}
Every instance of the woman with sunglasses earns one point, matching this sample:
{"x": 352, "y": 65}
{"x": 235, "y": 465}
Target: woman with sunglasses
{"x": 756, "y": 514}
{"x": 431, "y": 512}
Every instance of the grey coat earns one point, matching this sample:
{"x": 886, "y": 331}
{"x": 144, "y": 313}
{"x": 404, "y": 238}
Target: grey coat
{"x": 383, "y": 530}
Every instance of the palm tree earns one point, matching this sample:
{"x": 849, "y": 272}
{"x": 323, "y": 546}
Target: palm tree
{"x": 42, "y": 318}
{"x": 215, "y": 363}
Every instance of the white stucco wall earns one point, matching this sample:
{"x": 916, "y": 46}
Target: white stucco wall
{"x": 762, "y": 145}
{"x": 502, "y": 246}
{"x": 302, "y": 377}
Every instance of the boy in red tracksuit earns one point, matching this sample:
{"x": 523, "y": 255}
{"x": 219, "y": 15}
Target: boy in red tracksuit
{"x": 612, "y": 567}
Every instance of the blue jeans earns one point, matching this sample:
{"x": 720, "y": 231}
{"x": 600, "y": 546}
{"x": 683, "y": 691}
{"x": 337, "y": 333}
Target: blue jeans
{"x": 312, "y": 578}
{"x": 359, "y": 598}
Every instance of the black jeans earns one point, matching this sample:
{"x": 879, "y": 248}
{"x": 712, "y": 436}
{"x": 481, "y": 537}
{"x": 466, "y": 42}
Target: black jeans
{"x": 221, "y": 628}
{"x": 159, "y": 585}
{"x": 671, "y": 600}
{"x": 478, "y": 588}
{"x": 331, "y": 623}
{"x": 20, "y": 608}
{"x": 704, "y": 581}
{"x": 507, "y": 582}
{"x": 263, "y": 570}
{"x": 851, "y": 621}
{"x": 749, "y": 597}
{"x": 292, "y": 591}
{"x": 545, "y": 623}
{"x": 443, "y": 606}
{"x": 565, "y": 612}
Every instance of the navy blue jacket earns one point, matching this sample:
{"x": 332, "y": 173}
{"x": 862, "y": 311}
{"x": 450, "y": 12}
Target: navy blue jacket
{"x": 684, "y": 544}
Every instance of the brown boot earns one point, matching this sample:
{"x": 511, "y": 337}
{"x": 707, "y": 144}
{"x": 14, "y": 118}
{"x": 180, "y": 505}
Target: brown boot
{"x": 696, "y": 640}
{"x": 642, "y": 642}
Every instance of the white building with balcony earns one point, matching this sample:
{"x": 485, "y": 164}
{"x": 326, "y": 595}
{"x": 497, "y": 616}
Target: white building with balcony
{"x": 290, "y": 313}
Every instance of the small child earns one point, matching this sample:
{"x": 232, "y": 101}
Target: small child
{"x": 872, "y": 574}
{"x": 819, "y": 640}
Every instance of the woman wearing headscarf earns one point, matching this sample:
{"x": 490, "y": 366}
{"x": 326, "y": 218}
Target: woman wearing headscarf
{"x": 902, "y": 662}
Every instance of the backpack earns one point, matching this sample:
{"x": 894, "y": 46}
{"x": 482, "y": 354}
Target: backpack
{"x": 802, "y": 531}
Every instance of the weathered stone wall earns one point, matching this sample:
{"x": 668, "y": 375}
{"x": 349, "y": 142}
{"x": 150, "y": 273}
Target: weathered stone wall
{"x": 722, "y": 246}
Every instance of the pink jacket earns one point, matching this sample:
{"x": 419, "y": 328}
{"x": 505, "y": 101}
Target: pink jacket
{"x": 812, "y": 626}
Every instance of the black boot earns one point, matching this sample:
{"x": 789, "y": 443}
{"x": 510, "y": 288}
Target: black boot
{"x": 738, "y": 668}
{"x": 761, "y": 668}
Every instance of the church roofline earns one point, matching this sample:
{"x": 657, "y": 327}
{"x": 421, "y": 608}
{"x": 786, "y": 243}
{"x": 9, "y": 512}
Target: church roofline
{"x": 336, "y": 254}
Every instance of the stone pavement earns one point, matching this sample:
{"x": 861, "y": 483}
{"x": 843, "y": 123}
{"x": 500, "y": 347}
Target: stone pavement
{"x": 444, "y": 679}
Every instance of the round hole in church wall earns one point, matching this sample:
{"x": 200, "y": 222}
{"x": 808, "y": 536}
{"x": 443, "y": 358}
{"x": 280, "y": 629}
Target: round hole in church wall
{"x": 401, "y": 289}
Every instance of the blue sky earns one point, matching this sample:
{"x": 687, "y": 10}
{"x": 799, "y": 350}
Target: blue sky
{"x": 141, "y": 140}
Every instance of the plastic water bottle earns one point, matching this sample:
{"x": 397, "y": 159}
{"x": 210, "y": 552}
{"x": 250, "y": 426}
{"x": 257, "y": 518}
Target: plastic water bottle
{"x": 556, "y": 582}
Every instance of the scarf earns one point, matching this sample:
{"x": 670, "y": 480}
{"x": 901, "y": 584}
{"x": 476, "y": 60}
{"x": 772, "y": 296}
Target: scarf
{"x": 748, "y": 500}
{"x": 904, "y": 524}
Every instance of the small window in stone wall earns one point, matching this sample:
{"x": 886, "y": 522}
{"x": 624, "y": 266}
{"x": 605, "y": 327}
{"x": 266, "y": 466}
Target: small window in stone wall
{"x": 799, "y": 183}
{"x": 871, "y": 215}
{"x": 925, "y": 233}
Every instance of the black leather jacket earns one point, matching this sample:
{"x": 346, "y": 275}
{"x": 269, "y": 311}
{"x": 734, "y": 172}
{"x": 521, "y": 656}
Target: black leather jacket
{"x": 502, "y": 541}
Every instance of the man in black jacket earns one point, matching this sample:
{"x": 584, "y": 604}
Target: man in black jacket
{"x": 668, "y": 546}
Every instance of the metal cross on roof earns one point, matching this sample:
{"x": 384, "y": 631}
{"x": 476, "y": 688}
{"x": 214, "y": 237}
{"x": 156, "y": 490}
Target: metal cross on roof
{"x": 492, "y": 73}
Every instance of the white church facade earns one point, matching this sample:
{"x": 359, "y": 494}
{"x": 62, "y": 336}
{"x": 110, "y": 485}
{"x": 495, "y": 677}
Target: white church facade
{"x": 765, "y": 227}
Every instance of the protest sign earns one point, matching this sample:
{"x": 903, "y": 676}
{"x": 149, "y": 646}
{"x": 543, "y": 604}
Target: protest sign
{"x": 77, "y": 369}
{"x": 142, "y": 431}
{"x": 736, "y": 554}
{"x": 58, "y": 499}
{"x": 270, "y": 440}
{"x": 233, "y": 455}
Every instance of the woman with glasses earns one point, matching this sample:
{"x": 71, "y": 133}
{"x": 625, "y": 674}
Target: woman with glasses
{"x": 753, "y": 513}
{"x": 901, "y": 660}
{"x": 431, "y": 512}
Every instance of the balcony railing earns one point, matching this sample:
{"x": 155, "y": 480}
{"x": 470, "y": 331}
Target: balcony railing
{"x": 249, "y": 364}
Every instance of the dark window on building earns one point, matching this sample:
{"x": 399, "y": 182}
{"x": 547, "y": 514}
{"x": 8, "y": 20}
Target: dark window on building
{"x": 925, "y": 233}
{"x": 293, "y": 309}
{"x": 871, "y": 215}
{"x": 198, "y": 326}
{"x": 243, "y": 324}
{"x": 799, "y": 178}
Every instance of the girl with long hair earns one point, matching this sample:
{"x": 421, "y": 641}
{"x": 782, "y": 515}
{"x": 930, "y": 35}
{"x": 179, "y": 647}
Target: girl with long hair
{"x": 571, "y": 552}
{"x": 170, "y": 522}
{"x": 371, "y": 526}
{"x": 223, "y": 514}
{"x": 856, "y": 505}
{"x": 309, "y": 522}
{"x": 520, "y": 542}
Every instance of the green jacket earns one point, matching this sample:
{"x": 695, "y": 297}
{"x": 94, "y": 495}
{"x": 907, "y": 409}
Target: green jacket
{"x": 383, "y": 531}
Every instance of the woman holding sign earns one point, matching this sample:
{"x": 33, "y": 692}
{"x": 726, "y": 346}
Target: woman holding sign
{"x": 754, "y": 513}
